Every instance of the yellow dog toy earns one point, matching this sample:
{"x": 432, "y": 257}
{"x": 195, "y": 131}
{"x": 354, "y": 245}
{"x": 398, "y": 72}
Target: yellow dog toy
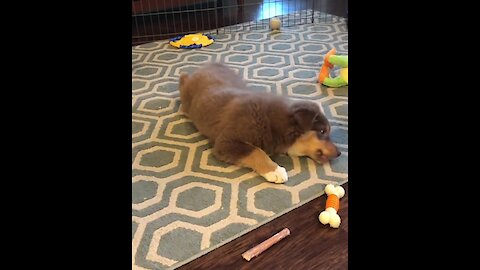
{"x": 192, "y": 41}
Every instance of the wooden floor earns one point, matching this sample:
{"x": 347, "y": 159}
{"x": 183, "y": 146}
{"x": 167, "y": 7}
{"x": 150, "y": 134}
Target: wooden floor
{"x": 310, "y": 245}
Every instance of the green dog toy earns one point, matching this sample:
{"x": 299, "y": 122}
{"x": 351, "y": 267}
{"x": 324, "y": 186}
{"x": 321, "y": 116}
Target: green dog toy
{"x": 334, "y": 60}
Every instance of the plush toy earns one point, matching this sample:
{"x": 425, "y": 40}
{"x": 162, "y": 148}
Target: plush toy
{"x": 329, "y": 61}
{"x": 192, "y": 41}
{"x": 330, "y": 216}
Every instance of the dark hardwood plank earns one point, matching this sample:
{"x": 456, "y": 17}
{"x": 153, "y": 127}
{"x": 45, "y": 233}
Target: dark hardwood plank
{"x": 311, "y": 245}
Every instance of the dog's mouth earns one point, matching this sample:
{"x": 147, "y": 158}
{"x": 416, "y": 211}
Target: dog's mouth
{"x": 321, "y": 158}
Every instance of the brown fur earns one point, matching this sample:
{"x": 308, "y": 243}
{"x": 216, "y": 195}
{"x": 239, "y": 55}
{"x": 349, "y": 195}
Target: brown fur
{"x": 246, "y": 127}
{"x": 259, "y": 161}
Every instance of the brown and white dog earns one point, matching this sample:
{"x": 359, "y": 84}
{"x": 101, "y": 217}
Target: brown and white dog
{"x": 246, "y": 127}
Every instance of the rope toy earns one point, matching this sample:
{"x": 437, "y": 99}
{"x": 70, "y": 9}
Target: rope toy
{"x": 330, "y": 216}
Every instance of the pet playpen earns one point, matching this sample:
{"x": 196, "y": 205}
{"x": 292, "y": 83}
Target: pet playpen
{"x": 162, "y": 19}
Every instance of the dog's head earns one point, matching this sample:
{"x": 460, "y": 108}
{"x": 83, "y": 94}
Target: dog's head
{"x": 314, "y": 127}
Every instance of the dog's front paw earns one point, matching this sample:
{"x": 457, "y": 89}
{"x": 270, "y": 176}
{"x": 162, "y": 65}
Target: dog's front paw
{"x": 278, "y": 176}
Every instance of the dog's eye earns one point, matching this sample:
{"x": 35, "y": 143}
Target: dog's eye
{"x": 322, "y": 131}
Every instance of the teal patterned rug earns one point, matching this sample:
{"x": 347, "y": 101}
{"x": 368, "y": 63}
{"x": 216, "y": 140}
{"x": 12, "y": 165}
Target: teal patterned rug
{"x": 184, "y": 201}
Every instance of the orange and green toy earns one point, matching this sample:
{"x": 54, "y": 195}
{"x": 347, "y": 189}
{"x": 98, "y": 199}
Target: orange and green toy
{"x": 329, "y": 62}
{"x": 330, "y": 216}
{"x": 192, "y": 41}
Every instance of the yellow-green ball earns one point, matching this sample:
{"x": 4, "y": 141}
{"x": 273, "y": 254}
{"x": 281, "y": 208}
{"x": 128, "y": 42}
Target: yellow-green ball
{"x": 275, "y": 24}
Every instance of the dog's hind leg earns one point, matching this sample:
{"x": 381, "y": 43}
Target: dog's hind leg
{"x": 246, "y": 155}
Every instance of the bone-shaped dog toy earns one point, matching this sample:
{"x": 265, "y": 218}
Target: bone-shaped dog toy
{"x": 330, "y": 216}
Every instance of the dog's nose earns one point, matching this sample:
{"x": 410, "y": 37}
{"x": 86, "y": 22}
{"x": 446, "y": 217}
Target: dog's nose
{"x": 339, "y": 153}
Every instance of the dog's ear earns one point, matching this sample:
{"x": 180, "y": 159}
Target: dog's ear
{"x": 304, "y": 113}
